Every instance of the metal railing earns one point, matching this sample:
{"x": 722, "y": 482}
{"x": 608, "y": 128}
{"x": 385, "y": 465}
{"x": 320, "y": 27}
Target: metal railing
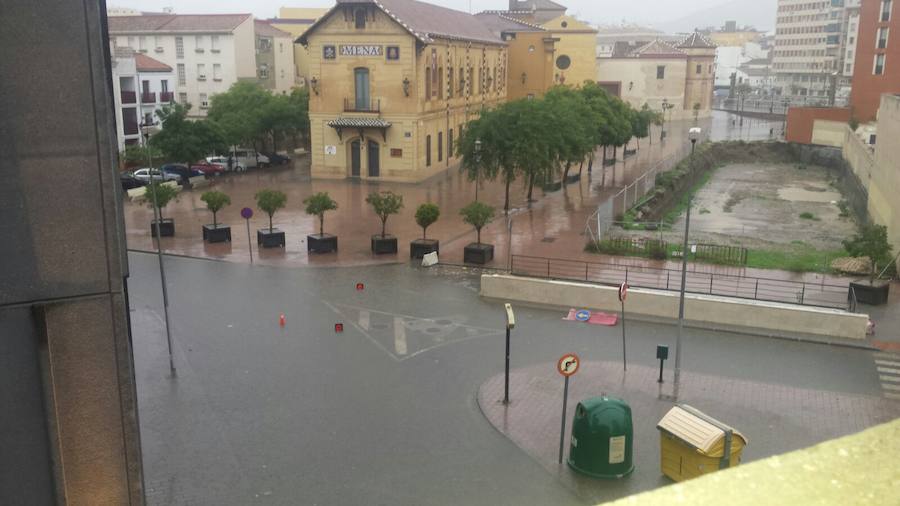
{"x": 816, "y": 294}
{"x": 355, "y": 105}
{"x": 148, "y": 97}
{"x": 129, "y": 97}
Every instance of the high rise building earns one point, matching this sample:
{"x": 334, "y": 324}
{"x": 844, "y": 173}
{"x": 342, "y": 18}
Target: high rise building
{"x": 877, "y": 67}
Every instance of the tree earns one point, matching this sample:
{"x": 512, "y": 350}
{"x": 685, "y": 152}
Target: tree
{"x": 215, "y": 201}
{"x": 137, "y": 155}
{"x": 270, "y": 201}
{"x": 239, "y": 112}
{"x": 184, "y": 140}
{"x": 572, "y": 119}
{"x": 871, "y": 242}
{"x": 385, "y": 204}
{"x": 426, "y": 215}
{"x": 159, "y": 195}
{"x": 317, "y": 205}
{"x": 478, "y": 215}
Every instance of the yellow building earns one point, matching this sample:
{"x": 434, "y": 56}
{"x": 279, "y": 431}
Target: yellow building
{"x": 530, "y": 54}
{"x": 393, "y": 83}
{"x": 295, "y": 21}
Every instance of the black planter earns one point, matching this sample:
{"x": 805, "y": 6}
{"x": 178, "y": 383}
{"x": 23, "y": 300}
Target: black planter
{"x": 216, "y": 233}
{"x": 630, "y": 152}
{"x": 573, "y": 178}
{"x": 166, "y": 228}
{"x": 609, "y": 162}
{"x": 874, "y": 295}
{"x": 273, "y": 238}
{"x": 421, "y": 247}
{"x": 321, "y": 243}
{"x": 476, "y": 253}
{"x": 552, "y": 187}
{"x": 384, "y": 245}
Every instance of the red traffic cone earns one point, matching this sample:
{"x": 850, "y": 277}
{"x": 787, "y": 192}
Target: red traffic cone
{"x": 282, "y": 320}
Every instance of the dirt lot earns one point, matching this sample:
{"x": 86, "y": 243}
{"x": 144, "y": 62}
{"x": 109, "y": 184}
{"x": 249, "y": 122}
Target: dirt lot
{"x": 768, "y": 206}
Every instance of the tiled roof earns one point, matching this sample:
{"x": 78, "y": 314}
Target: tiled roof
{"x": 264, "y": 28}
{"x": 144, "y": 63}
{"x": 498, "y": 22}
{"x": 696, "y": 39}
{"x": 194, "y": 23}
{"x": 657, "y": 48}
{"x": 424, "y": 21}
{"x": 540, "y": 5}
{"x": 359, "y": 123}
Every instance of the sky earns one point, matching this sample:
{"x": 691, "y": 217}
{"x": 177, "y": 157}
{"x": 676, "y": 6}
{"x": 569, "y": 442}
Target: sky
{"x": 660, "y": 13}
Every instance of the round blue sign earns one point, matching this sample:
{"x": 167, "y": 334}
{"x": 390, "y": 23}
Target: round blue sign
{"x": 583, "y": 315}
{"x": 247, "y": 213}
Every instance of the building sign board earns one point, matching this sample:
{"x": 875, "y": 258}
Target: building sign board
{"x": 330, "y": 150}
{"x": 329, "y": 52}
{"x": 361, "y": 50}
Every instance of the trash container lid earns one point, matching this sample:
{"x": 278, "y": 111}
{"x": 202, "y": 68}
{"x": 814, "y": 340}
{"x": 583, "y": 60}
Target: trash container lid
{"x": 707, "y": 437}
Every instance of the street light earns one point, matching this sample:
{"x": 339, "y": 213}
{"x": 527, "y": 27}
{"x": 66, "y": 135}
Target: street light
{"x": 665, "y": 107}
{"x": 784, "y": 109}
{"x": 477, "y": 166}
{"x": 693, "y": 134}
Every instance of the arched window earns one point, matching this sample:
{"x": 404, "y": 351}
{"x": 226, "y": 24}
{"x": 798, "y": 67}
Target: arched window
{"x": 360, "y": 17}
{"x": 427, "y": 83}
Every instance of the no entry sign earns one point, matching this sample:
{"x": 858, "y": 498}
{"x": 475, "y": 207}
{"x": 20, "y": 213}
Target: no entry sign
{"x": 568, "y": 364}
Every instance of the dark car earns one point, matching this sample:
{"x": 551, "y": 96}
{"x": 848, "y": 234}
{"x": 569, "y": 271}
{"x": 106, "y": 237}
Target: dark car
{"x": 276, "y": 159}
{"x": 129, "y": 181}
{"x": 184, "y": 173}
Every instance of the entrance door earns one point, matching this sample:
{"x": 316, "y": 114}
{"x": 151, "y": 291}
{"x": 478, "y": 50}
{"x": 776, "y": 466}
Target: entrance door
{"x": 374, "y": 159}
{"x": 354, "y": 158}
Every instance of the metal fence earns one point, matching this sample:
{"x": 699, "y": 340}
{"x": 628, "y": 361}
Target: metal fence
{"x": 732, "y": 255}
{"x": 818, "y": 294}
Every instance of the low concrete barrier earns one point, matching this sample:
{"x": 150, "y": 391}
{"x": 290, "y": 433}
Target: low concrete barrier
{"x": 720, "y": 313}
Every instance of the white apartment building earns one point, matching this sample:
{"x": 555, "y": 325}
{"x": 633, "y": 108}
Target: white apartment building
{"x": 141, "y": 85}
{"x": 811, "y": 40}
{"x": 208, "y": 52}
{"x": 851, "y": 32}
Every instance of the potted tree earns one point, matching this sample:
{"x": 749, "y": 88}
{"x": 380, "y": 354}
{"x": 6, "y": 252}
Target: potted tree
{"x": 478, "y": 215}
{"x": 215, "y": 201}
{"x": 270, "y": 201}
{"x": 385, "y": 204}
{"x": 318, "y": 205}
{"x": 158, "y": 195}
{"x": 871, "y": 242}
{"x": 426, "y": 215}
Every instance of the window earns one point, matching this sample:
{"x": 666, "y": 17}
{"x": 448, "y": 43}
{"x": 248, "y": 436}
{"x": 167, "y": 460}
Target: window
{"x": 201, "y": 72}
{"x": 462, "y": 81}
{"x": 164, "y": 86}
{"x": 281, "y": 47}
{"x": 182, "y": 98}
{"x": 563, "y": 62}
{"x": 879, "y": 65}
{"x": 179, "y": 48}
{"x": 263, "y": 71}
{"x": 204, "y": 101}
{"x": 145, "y": 86}
{"x": 214, "y": 43}
{"x": 198, "y": 43}
{"x": 217, "y": 72}
{"x": 882, "y": 38}
{"x": 885, "y": 10}
{"x": 182, "y": 78}
{"x": 450, "y": 144}
{"x": 142, "y": 44}
{"x": 660, "y": 71}
{"x": 428, "y": 151}
{"x": 847, "y": 68}
{"x": 360, "y": 18}
{"x": 440, "y": 83}
{"x": 427, "y": 83}
{"x": 361, "y": 76}
{"x": 157, "y": 43}
{"x": 440, "y": 146}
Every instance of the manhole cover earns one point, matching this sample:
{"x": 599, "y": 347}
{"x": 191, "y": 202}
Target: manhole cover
{"x": 548, "y": 239}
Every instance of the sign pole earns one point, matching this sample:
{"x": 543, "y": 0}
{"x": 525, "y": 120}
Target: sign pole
{"x": 247, "y": 213}
{"x": 510, "y": 324}
{"x": 623, "y": 292}
{"x": 567, "y": 366}
{"x": 562, "y": 430}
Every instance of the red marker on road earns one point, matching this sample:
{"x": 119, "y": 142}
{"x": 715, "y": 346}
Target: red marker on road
{"x": 282, "y": 320}
{"x": 360, "y": 287}
{"x": 338, "y": 327}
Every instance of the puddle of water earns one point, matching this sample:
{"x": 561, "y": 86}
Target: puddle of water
{"x": 795, "y": 194}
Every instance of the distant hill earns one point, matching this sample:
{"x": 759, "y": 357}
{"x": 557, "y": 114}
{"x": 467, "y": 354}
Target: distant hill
{"x": 757, "y": 13}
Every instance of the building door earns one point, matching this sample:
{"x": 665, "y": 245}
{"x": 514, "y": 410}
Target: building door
{"x": 362, "y": 89}
{"x": 354, "y": 158}
{"x": 374, "y": 159}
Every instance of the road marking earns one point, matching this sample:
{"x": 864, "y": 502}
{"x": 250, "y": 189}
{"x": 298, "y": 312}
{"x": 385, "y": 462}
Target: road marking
{"x": 890, "y": 379}
{"x": 363, "y": 332}
{"x": 895, "y": 388}
{"x": 888, "y": 363}
{"x": 888, "y": 371}
{"x": 364, "y": 320}
{"x": 399, "y": 336}
{"x": 896, "y": 397}
{"x": 886, "y": 355}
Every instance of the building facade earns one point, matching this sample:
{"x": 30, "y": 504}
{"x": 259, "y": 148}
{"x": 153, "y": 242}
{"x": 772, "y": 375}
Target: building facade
{"x": 141, "y": 85}
{"x": 530, "y": 53}
{"x": 393, "y": 84}
{"x": 275, "y": 69}
{"x": 295, "y": 21}
{"x": 877, "y": 67}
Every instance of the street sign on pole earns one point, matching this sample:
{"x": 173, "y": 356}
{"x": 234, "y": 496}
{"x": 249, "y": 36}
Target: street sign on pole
{"x": 510, "y": 324}
{"x": 567, "y": 366}
{"x": 623, "y": 293}
{"x": 247, "y": 213}
{"x": 583, "y": 315}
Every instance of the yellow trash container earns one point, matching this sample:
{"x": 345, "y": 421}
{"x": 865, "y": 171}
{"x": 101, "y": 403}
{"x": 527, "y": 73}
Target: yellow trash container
{"x": 693, "y": 444}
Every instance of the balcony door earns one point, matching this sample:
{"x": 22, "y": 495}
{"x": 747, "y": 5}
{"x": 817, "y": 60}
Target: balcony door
{"x": 361, "y": 78}
{"x": 374, "y": 159}
{"x": 355, "y": 158}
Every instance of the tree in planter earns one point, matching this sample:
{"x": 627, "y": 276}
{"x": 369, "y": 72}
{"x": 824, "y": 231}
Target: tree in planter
{"x": 270, "y": 201}
{"x": 385, "y": 204}
{"x": 317, "y": 205}
{"x": 426, "y": 215}
{"x": 158, "y": 195}
{"x": 478, "y": 215}
{"x": 870, "y": 242}
{"x": 215, "y": 201}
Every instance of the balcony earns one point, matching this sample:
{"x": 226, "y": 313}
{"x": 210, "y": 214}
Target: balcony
{"x": 166, "y": 97}
{"x": 130, "y": 125}
{"x": 354, "y": 105}
{"x": 148, "y": 97}
{"x": 129, "y": 97}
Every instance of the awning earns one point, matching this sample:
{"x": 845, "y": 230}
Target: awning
{"x": 360, "y": 124}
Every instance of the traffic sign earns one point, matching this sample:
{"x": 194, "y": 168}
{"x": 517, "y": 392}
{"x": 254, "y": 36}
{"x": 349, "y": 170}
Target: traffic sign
{"x": 360, "y": 287}
{"x": 583, "y": 315}
{"x": 623, "y": 292}
{"x": 568, "y": 364}
{"x": 246, "y": 213}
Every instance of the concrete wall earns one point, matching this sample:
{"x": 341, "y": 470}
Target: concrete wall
{"x": 537, "y": 65}
{"x": 800, "y": 121}
{"x": 640, "y": 86}
{"x": 766, "y": 318}
{"x": 578, "y": 41}
{"x": 860, "y": 158}
{"x": 829, "y": 133}
{"x": 884, "y": 202}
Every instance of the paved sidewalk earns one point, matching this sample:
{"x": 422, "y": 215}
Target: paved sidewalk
{"x": 775, "y": 418}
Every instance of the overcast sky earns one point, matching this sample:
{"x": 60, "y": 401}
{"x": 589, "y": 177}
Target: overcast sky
{"x": 651, "y": 12}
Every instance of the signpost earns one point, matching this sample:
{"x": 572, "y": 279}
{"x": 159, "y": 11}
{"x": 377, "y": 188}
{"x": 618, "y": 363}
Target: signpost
{"x": 567, "y": 366}
{"x": 510, "y": 324}
{"x": 623, "y": 293}
{"x": 247, "y": 213}
{"x": 662, "y": 353}
{"x": 583, "y": 315}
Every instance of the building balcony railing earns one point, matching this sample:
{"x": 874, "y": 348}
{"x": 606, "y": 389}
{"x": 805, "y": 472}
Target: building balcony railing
{"x": 148, "y": 97}
{"x": 354, "y": 105}
{"x": 166, "y": 97}
{"x": 129, "y": 97}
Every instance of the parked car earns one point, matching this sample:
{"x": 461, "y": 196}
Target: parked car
{"x": 250, "y": 158}
{"x": 145, "y": 174}
{"x": 182, "y": 171}
{"x": 277, "y": 159}
{"x": 129, "y": 181}
{"x": 208, "y": 168}
{"x": 223, "y": 161}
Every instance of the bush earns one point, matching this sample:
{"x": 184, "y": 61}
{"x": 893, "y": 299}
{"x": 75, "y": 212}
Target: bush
{"x": 478, "y": 215}
{"x": 871, "y": 242}
{"x": 164, "y": 194}
{"x": 215, "y": 201}
{"x": 317, "y": 205}
{"x": 385, "y": 204}
{"x": 270, "y": 201}
{"x": 808, "y": 216}
{"x": 426, "y": 215}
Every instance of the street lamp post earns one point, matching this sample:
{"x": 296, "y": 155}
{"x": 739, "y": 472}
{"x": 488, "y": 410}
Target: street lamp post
{"x": 693, "y": 134}
{"x": 477, "y": 166}
{"x": 784, "y": 108}
{"x": 665, "y": 107}
{"x": 743, "y": 97}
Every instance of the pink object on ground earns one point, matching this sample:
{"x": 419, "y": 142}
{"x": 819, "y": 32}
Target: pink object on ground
{"x": 571, "y": 316}
{"x": 609, "y": 320}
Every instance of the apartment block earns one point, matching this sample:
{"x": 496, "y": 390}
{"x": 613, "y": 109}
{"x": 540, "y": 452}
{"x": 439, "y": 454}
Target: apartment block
{"x": 877, "y": 67}
{"x": 141, "y": 85}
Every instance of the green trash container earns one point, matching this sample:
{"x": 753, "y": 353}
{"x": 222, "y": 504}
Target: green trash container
{"x": 602, "y": 438}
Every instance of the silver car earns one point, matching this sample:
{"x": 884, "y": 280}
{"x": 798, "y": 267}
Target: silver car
{"x": 146, "y": 174}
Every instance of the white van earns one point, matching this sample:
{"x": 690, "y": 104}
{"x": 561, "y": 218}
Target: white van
{"x": 249, "y": 158}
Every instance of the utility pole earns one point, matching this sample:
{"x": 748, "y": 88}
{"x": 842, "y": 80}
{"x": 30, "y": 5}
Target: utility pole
{"x": 693, "y": 135}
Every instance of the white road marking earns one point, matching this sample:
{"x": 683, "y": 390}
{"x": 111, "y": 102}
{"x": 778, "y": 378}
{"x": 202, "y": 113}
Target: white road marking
{"x": 890, "y": 379}
{"x": 896, "y": 397}
{"x": 888, "y": 363}
{"x": 895, "y": 388}
{"x": 364, "y": 320}
{"x": 363, "y": 332}
{"x": 888, "y": 370}
{"x": 399, "y": 336}
{"x": 884, "y": 354}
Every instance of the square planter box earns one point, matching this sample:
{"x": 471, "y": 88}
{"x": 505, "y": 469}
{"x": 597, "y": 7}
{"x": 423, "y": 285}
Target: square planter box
{"x": 874, "y": 295}
{"x": 609, "y": 162}
{"x": 166, "y": 228}
{"x": 270, "y": 239}
{"x": 321, "y": 243}
{"x": 552, "y": 187}
{"x": 630, "y": 152}
{"x": 217, "y": 233}
{"x": 573, "y": 178}
{"x": 421, "y": 247}
{"x": 384, "y": 245}
{"x": 480, "y": 254}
